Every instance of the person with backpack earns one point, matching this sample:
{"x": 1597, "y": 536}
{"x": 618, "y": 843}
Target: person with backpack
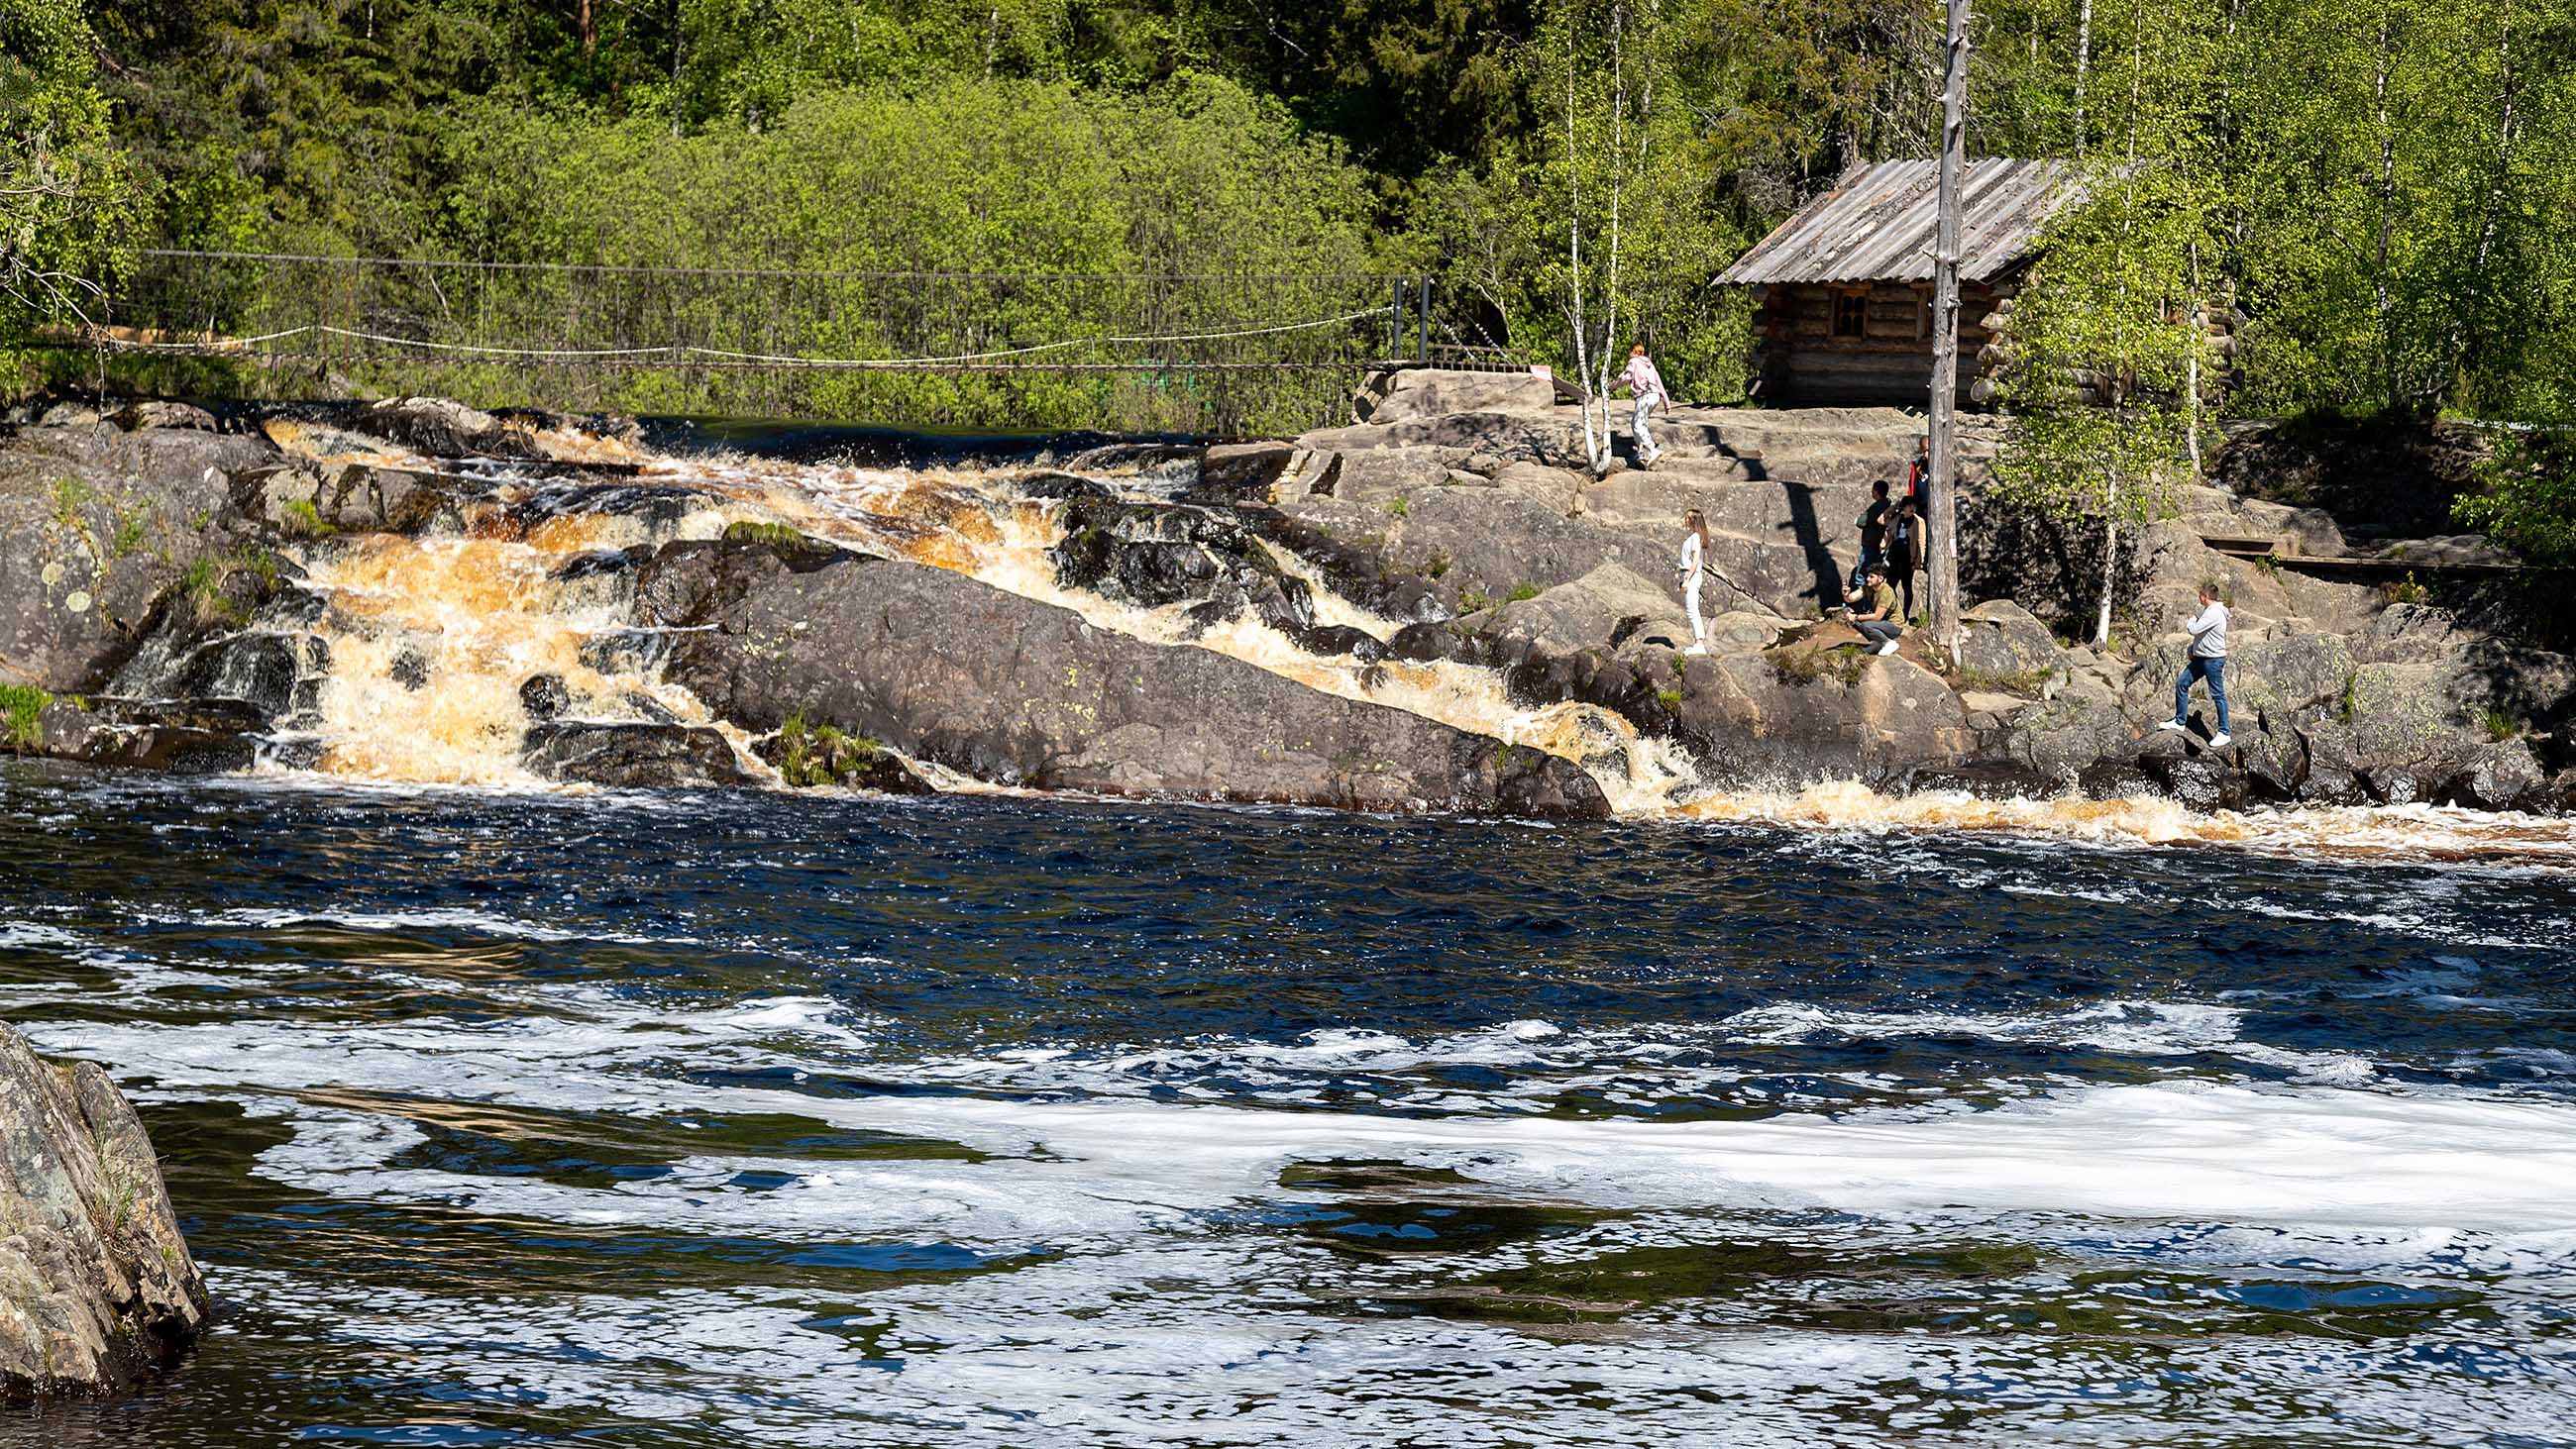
{"x": 1905, "y": 553}
{"x": 1694, "y": 563}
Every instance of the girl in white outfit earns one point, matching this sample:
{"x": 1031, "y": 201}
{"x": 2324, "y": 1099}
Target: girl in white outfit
{"x": 1694, "y": 555}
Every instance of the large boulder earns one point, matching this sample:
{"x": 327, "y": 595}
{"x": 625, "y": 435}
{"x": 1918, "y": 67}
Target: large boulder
{"x": 95, "y": 525}
{"x": 1427, "y": 392}
{"x": 96, "y": 1285}
{"x": 2003, "y": 645}
{"x": 952, "y": 671}
{"x": 630, "y": 755}
{"x": 1605, "y": 609}
{"x": 1816, "y": 706}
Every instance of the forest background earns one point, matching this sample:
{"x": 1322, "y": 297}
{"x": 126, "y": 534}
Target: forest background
{"x": 2384, "y": 193}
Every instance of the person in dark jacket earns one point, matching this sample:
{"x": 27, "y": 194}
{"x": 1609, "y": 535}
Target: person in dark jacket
{"x": 1905, "y": 553}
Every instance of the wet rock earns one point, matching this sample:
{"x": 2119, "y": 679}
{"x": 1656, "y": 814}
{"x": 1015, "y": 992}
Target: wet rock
{"x": 97, "y": 1284}
{"x": 1063, "y": 485}
{"x": 1986, "y": 780}
{"x": 1333, "y": 640}
{"x": 544, "y": 696}
{"x": 949, "y": 670}
{"x": 2198, "y": 782}
{"x": 2331, "y": 786}
{"x": 2393, "y": 785}
{"x": 2275, "y": 763}
{"x": 256, "y": 667}
{"x": 1423, "y": 643}
{"x": 410, "y": 668}
{"x": 2115, "y": 780}
{"x": 630, "y": 756}
{"x": 2504, "y": 777}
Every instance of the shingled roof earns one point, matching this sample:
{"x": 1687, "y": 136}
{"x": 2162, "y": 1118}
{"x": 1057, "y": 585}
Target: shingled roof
{"x": 1876, "y": 224}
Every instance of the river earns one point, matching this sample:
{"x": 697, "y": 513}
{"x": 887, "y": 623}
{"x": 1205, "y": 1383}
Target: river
{"x": 504, "y": 1117}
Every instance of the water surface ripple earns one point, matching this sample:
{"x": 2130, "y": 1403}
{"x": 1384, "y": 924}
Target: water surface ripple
{"x": 504, "y": 1119}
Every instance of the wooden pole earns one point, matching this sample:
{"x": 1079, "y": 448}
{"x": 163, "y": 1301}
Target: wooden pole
{"x": 1943, "y": 484}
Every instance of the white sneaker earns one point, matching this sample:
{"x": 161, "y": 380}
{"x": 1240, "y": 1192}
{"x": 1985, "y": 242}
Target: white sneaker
{"x": 1696, "y": 649}
{"x": 2170, "y": 725}
{"x": 2219, "y": 740}
{"x": 1887, "y": 648}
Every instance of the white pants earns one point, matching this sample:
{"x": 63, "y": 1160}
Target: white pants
{"x": 1690, "y": 602}
{"x": 1646, "y": 449}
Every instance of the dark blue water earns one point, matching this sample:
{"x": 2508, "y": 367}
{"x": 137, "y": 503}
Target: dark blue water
{"x": 745, "y": 1119}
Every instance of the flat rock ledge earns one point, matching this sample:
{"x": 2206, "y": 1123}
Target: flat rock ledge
{"x": 97, "y": 1290}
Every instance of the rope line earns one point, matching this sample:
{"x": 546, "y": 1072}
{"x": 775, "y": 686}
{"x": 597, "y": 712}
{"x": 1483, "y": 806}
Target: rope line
{"x": 107, "y": 340}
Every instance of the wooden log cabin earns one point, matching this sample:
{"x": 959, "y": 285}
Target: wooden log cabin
{"x": 1842, "y": 291}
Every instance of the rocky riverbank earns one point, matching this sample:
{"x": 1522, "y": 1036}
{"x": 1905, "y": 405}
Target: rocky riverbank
{"x": 96, "y": 1285}
{"x": 1428, "y": 609}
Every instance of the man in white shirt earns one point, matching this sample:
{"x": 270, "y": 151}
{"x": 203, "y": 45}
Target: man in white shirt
{"x": 1641, "y": 379}
{"x": 2208, "y": 661}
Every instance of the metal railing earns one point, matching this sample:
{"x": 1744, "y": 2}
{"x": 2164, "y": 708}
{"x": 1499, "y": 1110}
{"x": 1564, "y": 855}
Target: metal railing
{"x": 1203, "y": 353}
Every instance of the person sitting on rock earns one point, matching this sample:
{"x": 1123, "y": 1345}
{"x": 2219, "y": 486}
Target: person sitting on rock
{"x": 1873, "y": 533}
{"x": 1875, "y": 613}
{"x": 1647, "y": 386}
{"x": 1694, "y": 563}
{"x": 1905, "y": 552}
{"x": 2208, "y": 660}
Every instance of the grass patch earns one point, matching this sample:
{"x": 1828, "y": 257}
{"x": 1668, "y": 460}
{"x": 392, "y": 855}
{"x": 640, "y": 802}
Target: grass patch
{"x": 1474, "y": 601}
{"x": 2501, "y": 726}
{"x": 22, "y": 709}
{"x": 1670, "y": 699}
{"x": 2025, "y": 682}
{"x": 130, "y": 524}
{"x": 300, "y": 519}
{"x": 1802, "y": 667}
{"x": 71, "y": 496}
{"x": 208, "y": 583}
{"x": 745, "y": 530}
{"x": 1520, "y": 592}
{"x": 1399, "y": 507}
{"x": 2351, "y": 696}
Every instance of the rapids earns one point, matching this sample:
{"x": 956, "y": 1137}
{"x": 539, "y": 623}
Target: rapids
{"x": 724, "y": 1118}
{"x": 428, "y": 639}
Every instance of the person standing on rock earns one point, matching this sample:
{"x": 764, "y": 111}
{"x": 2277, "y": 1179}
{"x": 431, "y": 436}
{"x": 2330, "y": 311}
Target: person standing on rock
{"x": 2208, "y": 661}
{"x": 1873, "y": 534}
{"x": 1694, "y": 564}
{"x": 1905, "y": 550}
{"x": 1647, "y": 386}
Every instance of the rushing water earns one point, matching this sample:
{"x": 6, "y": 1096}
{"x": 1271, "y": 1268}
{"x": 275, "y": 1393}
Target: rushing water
{"x": 753, "y": 1119}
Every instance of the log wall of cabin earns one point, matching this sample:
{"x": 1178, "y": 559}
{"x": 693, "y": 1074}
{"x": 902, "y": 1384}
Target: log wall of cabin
{"x": 1802, "y": 362}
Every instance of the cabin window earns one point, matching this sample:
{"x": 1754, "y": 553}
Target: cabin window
{"x": 1851, "y": 314}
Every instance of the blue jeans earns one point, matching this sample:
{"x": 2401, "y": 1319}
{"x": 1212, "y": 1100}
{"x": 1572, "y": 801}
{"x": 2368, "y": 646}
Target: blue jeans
{"x": 2213, "y": 670}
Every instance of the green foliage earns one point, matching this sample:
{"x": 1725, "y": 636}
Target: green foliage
{"x": 1398, "y": 507}
{"x": 130, "y": 524}
{"x": 2501, "y": 726}
{"x": 2527, "y": 496}
{"x": 1473, "y": 601}
{"x": 1521, "y": 591}
{"x": 2405, "y": 591}
{"x": 300, "y": 519}
{"x": 811, "y": 754}
{"x": 1670, "y": 699}
{"x": 67, "y": 196}
{"x": 22, "y": 708}
{"x": 71, "y": 499}
{"x": 745, "y": 530}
